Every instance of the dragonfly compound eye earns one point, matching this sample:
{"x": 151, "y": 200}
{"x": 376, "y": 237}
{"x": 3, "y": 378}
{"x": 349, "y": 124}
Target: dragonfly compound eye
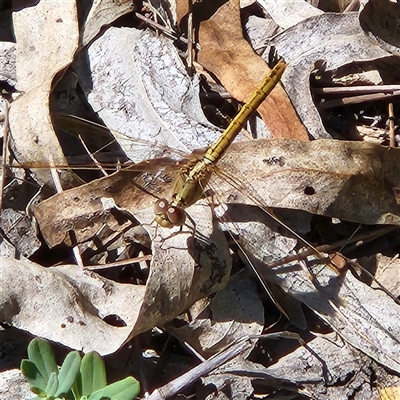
{"x": 176, "y": 215}
{"x": 168, "y": 216}
{"x": 161, "y": 207}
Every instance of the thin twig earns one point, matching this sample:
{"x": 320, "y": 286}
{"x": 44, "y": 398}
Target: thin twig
{"x": 6, "y": 139}
{"x": 328, "y": 248}
{"x": 391, "y": 125}
{"x": 54, "y": 175}
{"x": 347, "y": 90}
{"x": 58, "y": 186}
{"x": 165, "y": 30}
{"x": 190, "y": 38}
{"x": 92, "y": 157}
{"x": 118, "y": 263}
{"x": 358, "y": 99}
{"x": 240, "y": 346}
{"x": 200, "y": 370}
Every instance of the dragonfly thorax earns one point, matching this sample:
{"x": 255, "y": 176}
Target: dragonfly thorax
{"x": 189, "y": 187}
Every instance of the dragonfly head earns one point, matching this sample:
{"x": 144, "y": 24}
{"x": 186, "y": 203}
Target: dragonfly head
{"x": 168, "y": 215}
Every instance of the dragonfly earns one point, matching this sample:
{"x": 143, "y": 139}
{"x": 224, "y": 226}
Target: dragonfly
{"x": 190, "y": 184}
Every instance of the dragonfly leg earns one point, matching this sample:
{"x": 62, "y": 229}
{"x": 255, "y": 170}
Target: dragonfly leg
{"x": 193, "y": 227}
{"x": 190, "y": 230}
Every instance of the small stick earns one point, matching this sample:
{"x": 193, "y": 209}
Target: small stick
{"x": 6, "y": 139}
{"x": 58, "y": 186}
{"x": 328, "y": 248}
{"x": 165, "y": 30}
{"x": 358, "y": 99}
{"x": 119, "y": 263}
{"x": 54, "y": 175}
{"x": 347, "y": 90}
{"x": 190, "y": 38}
{"x": 391, "y": 125}
{"x": 200, "y": 370}
{"x": 92, "y": 157}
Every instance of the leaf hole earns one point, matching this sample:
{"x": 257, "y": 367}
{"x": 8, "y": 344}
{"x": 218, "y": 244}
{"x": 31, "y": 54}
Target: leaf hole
{"x": 114, "y": 320}
{"x": 309, "y": 190}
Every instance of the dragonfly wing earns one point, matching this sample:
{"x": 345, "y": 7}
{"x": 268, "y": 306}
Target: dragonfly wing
{"x": 364, "y": 317}
{"x": 82, "y": 209}
{"x": 351, "y": 181}
{"x": 113, "y": 143}
{"x": 260, "y": 238}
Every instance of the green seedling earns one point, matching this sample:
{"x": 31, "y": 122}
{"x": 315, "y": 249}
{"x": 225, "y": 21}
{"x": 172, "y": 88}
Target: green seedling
{"x": 76, "y": 379}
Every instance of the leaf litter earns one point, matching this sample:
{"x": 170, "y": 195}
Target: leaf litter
{"x": 285, "y": 174}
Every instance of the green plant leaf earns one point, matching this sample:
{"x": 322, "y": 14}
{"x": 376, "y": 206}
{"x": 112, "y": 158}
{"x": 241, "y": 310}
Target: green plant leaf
{"x": 52, "y": 385}
{"x": 41, "y": 354}
{"x": 35, "y": 379}
{"x": 68, "y": 372}
{"x": 93, "y": 373}
{"x": 96, "y": 395}
{"x": 127, "y": 389}
{"x": 77, "y": 387}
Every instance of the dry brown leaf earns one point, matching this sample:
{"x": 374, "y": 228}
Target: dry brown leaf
{"x": 234, "y": 312}
{"x": 182, "y": 8}
{"x": 39, "y": 58}
{"x": 183, "y": 269}
{"x": 287, "y": 13}
{"x": 291, "y": 173}
{"x": 14, "y": 385}
{"x": 229, "y": 56}
{"x": 102, "y": 13}
{"x": 82, "y": 209}
{"x": 331, "y": 360}
{"x": 352, "y": 181}
{"x": 67, "y": 304}
{"x": 17, "y": 227}
{"x": 144, "y": 92}
{"x": 7, "y": 63}
{"x": 364, "y": 317}
{"x": 387, "y": 271}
